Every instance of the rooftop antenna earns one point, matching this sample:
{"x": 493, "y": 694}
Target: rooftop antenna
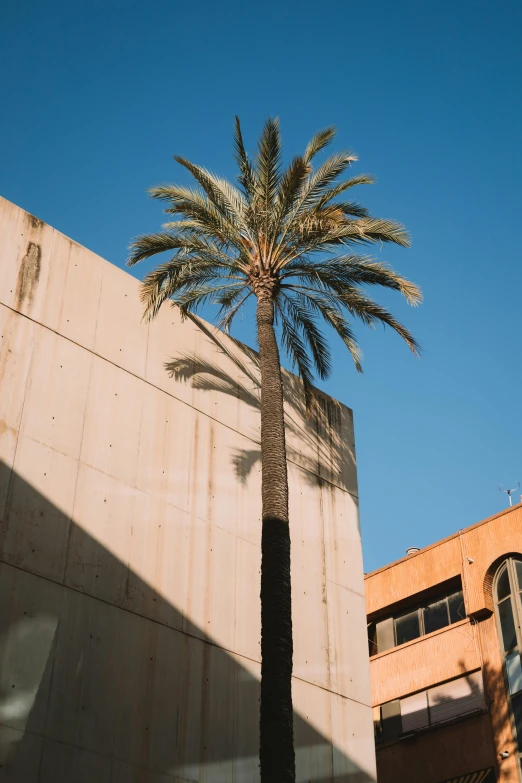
{"x": 509, "y": 492}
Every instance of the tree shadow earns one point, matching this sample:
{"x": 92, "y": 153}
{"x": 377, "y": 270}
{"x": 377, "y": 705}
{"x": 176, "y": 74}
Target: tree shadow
{"x": 316, "y": 441}
{"x": 103, "y": 679}
{"x": 457, "y": 740}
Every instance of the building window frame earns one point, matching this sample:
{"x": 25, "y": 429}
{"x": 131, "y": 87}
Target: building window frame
{"x": 508, "y": 616}
{"x": 417, "y": 615}
{"x": 422, "y": 614}
{"x": 395, "y": 719}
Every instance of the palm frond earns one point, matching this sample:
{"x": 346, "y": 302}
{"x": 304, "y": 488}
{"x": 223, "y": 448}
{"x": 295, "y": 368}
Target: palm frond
{"x": 332, "y": 168}
{"x": 365, "y": 230}
{"x": 350, "y": 208}
{"x": 370, "y": 313}
{"x": 247, "y": 174}
{"x": 337, "y": 190}
{"x": 194, "y": 205}
{"x": 188, "y": 224}
{"x": 296, "y": 350}
{"x": 224, "y": 196}
{"x": 158, "y": 286}
{"x": 318, "y": 142}
{"x": 231, "y": 303}
{"x": 290, "y": 184}
{"x": 152, "y": 244}
{"x": 360, "y": 306}
{"x": 310, "y": 193}
{"x": 314, "y": 236}
{"x": 191, "y": 248}
{"x": 303, "y": 318}
{"x": 194, "y": 296}
{"x": 180, "y": 273}
{"x": 328, "y": 307}
{"x": 340, "y": 271}
{"x": 268, "y": 171}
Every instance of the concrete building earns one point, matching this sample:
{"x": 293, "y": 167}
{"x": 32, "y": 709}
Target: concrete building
{"x": 130, "y": 541}
{"x": 445, "y": 640}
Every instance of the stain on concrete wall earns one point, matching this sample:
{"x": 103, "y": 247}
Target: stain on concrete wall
{"x": 28, "y": 275}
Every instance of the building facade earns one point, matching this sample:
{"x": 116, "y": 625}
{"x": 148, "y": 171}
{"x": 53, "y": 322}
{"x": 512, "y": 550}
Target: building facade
{"x": 130, "y": 540}
{"x": 445, "y": 636}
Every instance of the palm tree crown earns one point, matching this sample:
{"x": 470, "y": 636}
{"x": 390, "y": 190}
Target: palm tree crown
{"x": 283, "y": 234}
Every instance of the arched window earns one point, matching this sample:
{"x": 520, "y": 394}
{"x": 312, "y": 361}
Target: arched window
{"x": 508, "y": 604}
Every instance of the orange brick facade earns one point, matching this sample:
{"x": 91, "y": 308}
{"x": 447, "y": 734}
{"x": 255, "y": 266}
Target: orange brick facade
{"x": 476, "y": 741}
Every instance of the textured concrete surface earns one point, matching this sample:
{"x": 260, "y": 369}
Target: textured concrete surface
{"x": 130, "y": 540}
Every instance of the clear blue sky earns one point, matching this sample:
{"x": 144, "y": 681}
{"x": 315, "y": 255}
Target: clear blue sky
{"x": 97, "y": 96}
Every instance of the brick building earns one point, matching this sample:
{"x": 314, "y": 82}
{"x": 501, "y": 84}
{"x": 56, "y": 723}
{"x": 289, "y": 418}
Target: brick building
{"x": 445, "y": 635}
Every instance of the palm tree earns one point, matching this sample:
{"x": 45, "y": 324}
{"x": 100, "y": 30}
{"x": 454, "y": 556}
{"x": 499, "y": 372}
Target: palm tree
{"x": 283, "y": 237}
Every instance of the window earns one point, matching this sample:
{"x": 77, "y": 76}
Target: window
{"x": 391, "y": 721}
{"x": 514, "y": 673}
{"x": 436, "y": 616}
{"x": 425, "y": 618}
{"x": 407, "y": 627}
{"x": 372, "y": 639}
{"x": 414, "y": 712}
{"x": 456, "y": 607}
{"x": 507, "y": 624}
{"x": 455, "y": 698}
{"x": 451, "y": 700}
{"x": 508, "y": 605}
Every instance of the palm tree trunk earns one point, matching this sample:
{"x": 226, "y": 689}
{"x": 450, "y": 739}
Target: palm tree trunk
{"x": 276, "y": 753}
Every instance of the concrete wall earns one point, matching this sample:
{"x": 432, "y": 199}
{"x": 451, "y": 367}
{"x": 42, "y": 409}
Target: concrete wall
{"x": 130, "y": 540}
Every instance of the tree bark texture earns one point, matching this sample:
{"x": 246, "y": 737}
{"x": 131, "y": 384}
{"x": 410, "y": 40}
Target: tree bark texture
{"x": 276, "y": 755}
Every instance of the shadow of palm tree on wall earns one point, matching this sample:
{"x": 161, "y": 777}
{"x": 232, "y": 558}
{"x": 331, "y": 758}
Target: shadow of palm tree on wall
{"x": 485, "y": 686}
{"x": 457, "y": 739}
{"x": 319, "y": 447}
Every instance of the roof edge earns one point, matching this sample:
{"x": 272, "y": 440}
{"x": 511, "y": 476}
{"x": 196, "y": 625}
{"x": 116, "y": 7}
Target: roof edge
{"x": 443, "y": 540}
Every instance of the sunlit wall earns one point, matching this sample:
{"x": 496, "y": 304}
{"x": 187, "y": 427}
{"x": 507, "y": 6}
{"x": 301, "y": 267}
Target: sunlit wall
{"x": 130, "y": 540}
